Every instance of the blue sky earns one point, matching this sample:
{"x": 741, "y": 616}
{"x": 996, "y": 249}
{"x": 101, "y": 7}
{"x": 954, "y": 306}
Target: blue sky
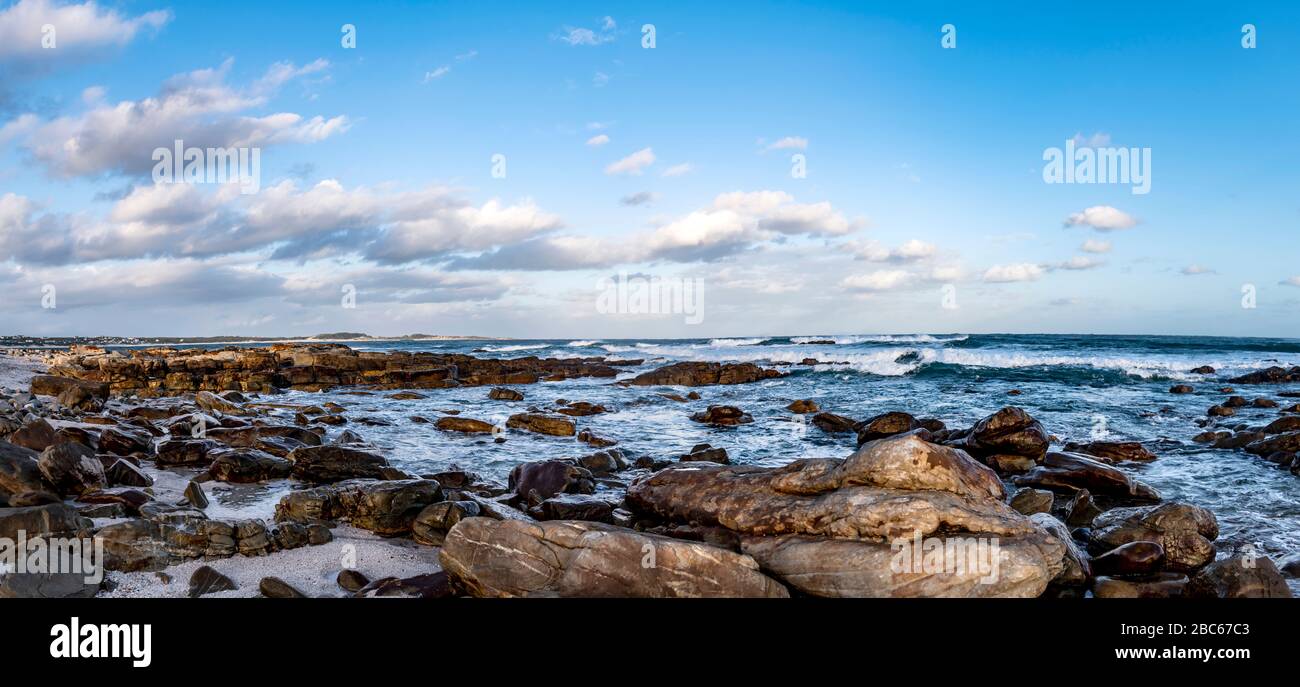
{"x": 924, "y": 167}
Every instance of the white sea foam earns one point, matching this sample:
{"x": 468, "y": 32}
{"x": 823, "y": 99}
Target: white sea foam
{"x": 516, "y": 347}
{"x": 581, "y": 344}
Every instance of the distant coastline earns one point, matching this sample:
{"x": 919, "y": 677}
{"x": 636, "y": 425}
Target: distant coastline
{"x": 19, "y": 341}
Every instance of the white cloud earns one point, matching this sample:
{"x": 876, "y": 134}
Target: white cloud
{"x": 679, "y": 170}
{"x": 881, "y": 280}
{"x": 1101, "y": 218}
{"x": 639, "y": 198}
{"x": 437, "y": 73}
{"x": 79, "y": 28}
{"x": 632, "y": 164}
{"x": 581, "y": 36}
{"x": 1095, "y": 246}
{"x": 790, "y": 143}
{"x": 1097, "y": 140}
{"x": 600, "y": 79}
{"x": 1024, "y": 271}
{"x": 598, "y": 140}
{"x": 1194, "y": 270}
{"x": 1290, "y": 281}
{"x": 911, "y": 251}
{"x": 198, "y": 108}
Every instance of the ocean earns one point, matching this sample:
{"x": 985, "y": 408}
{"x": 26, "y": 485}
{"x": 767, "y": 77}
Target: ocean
{"x": 1079, "y": 387}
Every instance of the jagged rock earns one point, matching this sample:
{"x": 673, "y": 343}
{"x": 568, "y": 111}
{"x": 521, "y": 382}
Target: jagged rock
{"x": 834, "y": 424}
{"x": 36, "y": 435}
{"x": 703, "y": 374}
{"x": 509, "y": 558}
{"x": 1288, "y": 442}
{"x": 722, "y": 416}
{"x": 884, "y": 425}
{"x": 206, "y": 580}
{"x": 1269, "y": 375}
{"x": 542, "y": 424}
{"x": 79, "y": 398}
{"x": 53, "y": 520}
{"x": 503, "y": 394}
{"x": 586, "y": 437}
{"x": 72, "y": 468}
{"x": 1239, "y": 577}
{"x": 121, "y": 441}
{"x": 581, "y": 409}
{"x": 1077, "y": 569}
{"x": 574, "y": 507}
{"x": 603, "y": 463}
{"x": 1080, "y": 511}
{"x": 324, "y": 464}
{"x": 247, "y": 465}
{"x": 547, "y": 478}
{"x": 1072, "y": 471}
{"x": 386, "y": 508}
{"x": 1289, "y": 423}
{"x": 1010, "y": 431}
{"x": 213, "y": 403}
{"x": 19, "y": 471}
{"x": 195, "y": 496}
{"x": 53, "y": 385}
{"x": 1186, "y": 532}
{"x": 463, "y": 424}
{"x": 433, "y": 522}
{"x": 123, "y": 472}
{"x": 1113, "y": 451}
{"x": 872, "y": 494}
{"x": 1028, "y": 501}
{"x": 706, "y": 453}
{"x": 185, "y": 452}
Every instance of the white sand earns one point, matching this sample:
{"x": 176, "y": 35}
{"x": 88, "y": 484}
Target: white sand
{"x": 16, "y": 373}
{"x": 311, "y": 569}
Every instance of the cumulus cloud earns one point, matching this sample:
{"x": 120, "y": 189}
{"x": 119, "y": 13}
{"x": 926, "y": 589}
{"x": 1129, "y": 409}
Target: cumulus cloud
{"x": 632, "y": 164}
{"x": 1101, "y": 218}
{"x": 79, "y": 30}
{"x": 734, "y": 223}
{"x": 198, "y": 108}
{"x": 1095, "y": 246}
{"x": 179, "y": 220}
{"x": 1194, "y": 270}
{"x": 578, "y": 36}
{"x": 1024, "y": 271}
{"x": 598, "y": 140}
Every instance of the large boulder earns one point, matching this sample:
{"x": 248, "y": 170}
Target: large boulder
{"x": 19, "y": 472}
{"x": 873, "y": 494}
{"x": 387, "y": 508}
{"x": 1009, "y": 432}
{"x": 175, "y": 452}
{"x": 246, "y": 465}
{"x": 510, "y": 558}
{"x": 1185, "y": 532}
{"x": 467, "y": 425}
{"x": 1239, "y": 577}
{"x": 884, "y": 425}
{"x": 1113, "y": 451}
{"x": 53, "y": 385}
{"x": 330, "y": 463}
{"x": 982, "y": 565}
{"x": 703, "y": 374}
{"x": 36, "y": 435}
{"x": 542, "y": 424}
{"x": 543, "y": 479}
{"x": 72, "y": 468}
{"x": 53, "y": 520}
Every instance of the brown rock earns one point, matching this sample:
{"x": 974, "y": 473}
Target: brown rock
{"x": 703, "y": 374}
{"x": 542, "y": 424}
{"x": 1186, "y": 532}
{"x": 722, "y": 416}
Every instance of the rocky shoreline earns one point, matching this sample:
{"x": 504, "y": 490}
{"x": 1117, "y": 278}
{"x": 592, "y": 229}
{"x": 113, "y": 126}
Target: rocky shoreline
{"x": 128, "y": 447}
